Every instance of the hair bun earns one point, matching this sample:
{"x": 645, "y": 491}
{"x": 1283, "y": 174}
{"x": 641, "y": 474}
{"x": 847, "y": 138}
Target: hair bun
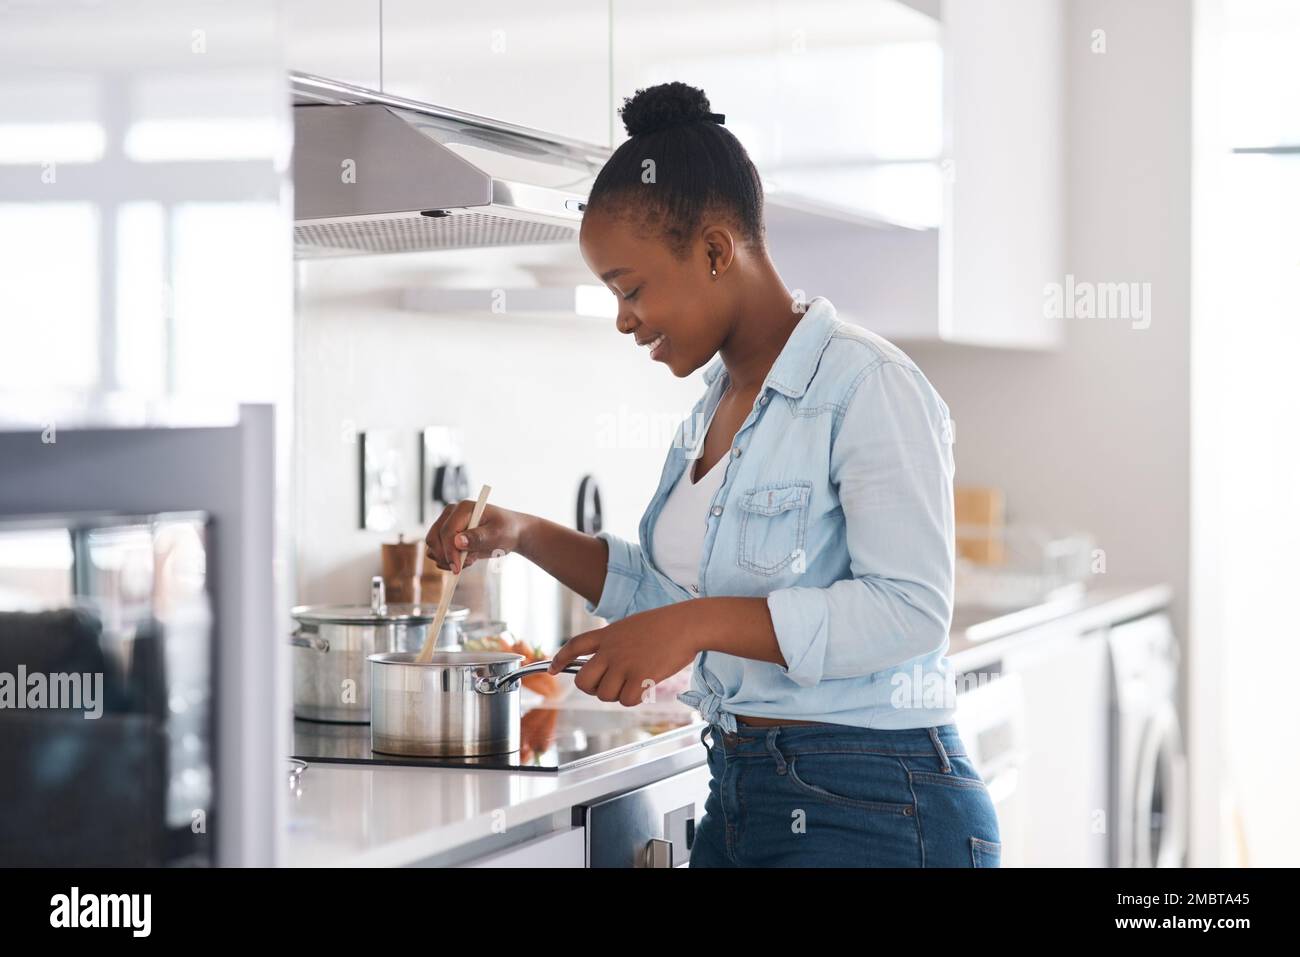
{"x": 664, "y": 106}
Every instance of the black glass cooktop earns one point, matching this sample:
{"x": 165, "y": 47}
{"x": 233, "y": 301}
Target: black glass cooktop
{"x": 553, "y": 739}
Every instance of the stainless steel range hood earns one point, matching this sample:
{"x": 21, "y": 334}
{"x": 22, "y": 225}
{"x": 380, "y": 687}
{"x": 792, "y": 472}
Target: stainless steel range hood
{"x": 375, "y": 173}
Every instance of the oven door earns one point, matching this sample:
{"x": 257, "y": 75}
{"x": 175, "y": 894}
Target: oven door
{"x": 651, "y": 826}
{"x": 106, "y": 641}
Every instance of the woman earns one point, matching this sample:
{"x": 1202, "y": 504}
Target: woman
{"x": 799, "y": 548}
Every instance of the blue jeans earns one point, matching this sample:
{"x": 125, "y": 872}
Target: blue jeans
{"x": 830, "y": 795}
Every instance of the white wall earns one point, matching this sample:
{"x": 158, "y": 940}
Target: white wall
{"x": 1096, "y": 436}
{"x": 1245, "y": 404}
{"x": 528, "y": 395}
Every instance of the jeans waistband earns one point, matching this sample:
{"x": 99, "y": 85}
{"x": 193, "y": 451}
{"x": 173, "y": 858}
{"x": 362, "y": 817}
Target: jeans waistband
{"x": 943, "y": 740}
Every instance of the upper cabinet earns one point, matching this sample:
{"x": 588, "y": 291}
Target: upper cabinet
{"x": 542, "y": 65}
{"x": 338, "y": 39}
{"x": 1004, "y": 202}
{"x": 839, "y": 102}
{"x": 912, "y": 152}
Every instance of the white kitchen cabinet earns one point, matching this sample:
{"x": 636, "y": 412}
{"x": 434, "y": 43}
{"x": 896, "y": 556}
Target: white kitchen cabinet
{"x": 1003, "y": 233}
{"x": 727, "y": 48}
{"x": 542, "y": 65}
{"x": 338, "y": 39}
{"x": 926, "y": 151}
{"x": 562, "y": 848}
{"x": 839, "y": 104}
{"x": 1065, "y": 684}
{"x": 838, "y": 101}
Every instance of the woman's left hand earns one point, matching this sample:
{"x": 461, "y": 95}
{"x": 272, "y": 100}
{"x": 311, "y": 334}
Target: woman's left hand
{"x": 629, "y": 657}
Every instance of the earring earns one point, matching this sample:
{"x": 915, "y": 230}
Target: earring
{"x": 714, "y": 271}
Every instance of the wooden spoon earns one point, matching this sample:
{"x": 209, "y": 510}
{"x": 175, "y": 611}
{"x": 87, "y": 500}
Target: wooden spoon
{"x": 426, "y": 653}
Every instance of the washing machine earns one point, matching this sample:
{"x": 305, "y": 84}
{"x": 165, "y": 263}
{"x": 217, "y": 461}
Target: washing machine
{"x": 1149, "y": 791}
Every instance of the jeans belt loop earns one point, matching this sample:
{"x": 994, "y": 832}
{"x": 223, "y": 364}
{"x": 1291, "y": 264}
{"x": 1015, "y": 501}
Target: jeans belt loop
{"x": 943, "y": 753}
{"x": 775, "y": 751}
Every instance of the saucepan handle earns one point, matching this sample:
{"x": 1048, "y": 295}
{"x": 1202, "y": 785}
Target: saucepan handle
{"x": 501, "y": 682}
{"x": 301, "y": 639}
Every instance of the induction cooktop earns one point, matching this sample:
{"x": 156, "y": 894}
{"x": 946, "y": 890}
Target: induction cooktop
{"x": 556, "y": 738}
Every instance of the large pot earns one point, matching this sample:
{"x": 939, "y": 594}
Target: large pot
{"x": 459, "y": 704}
{"x": 331, "y": 680}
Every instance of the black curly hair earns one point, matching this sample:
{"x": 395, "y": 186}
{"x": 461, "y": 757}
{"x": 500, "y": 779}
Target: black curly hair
{"x": 678, "y": 163}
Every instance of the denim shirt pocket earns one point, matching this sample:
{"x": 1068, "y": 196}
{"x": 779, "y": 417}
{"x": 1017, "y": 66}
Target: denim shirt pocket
{"x": 773, "y": 526}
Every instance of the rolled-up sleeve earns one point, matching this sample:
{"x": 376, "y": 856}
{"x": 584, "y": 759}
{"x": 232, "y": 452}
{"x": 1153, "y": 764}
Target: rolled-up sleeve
{"x": 892, "y": 467}
{"x": 631, "y": 584}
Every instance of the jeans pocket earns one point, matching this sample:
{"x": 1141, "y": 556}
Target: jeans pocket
{"x": 962, "y": 767}
{"x": 952, "y": 779}
{"x": 865, "y": 781}
{"x": 773, "y": 526}
{"x": 985, "y": 853}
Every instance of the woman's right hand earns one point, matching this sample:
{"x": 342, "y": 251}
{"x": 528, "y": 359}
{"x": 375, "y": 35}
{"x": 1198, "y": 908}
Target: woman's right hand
{"x": 498, "y": 532}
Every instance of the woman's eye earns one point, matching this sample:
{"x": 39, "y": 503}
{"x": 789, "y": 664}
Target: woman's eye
{"x": 632, "y": 295}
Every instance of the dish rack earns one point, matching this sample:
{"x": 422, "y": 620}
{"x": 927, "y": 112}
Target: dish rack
{"x": 1016, "y": 566}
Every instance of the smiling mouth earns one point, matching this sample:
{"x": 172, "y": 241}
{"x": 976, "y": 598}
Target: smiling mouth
{"x": 655, "y": 345}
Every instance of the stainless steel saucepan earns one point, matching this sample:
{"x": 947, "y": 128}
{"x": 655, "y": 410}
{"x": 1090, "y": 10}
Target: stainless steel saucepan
{"x": 459, "y": 704}
{"x": 331, "y": 678}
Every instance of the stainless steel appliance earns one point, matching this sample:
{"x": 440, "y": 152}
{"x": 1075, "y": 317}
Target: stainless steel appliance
{"x": 379, "y": 173}
{"x": 651, "y": 826}
{"x": 115, "y": 610}
{"x": 1149, "y": 796}
{"x": 376, "y": 173}
{"x": 237, "y": 742}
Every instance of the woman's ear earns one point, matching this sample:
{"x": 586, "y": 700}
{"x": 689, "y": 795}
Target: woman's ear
{"x": 719, "y": 248}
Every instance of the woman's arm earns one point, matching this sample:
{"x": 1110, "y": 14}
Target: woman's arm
{"x": 578, "y": 561}
{"x": 631, "y": 656}
{"x": 735, "y": 626}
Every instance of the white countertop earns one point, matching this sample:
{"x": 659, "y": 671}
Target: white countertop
{"x": 979, "y": 636}
{"x": 347, "y": 815}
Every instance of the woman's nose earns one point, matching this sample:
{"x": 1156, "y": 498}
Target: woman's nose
{"x": 626, "y": 322}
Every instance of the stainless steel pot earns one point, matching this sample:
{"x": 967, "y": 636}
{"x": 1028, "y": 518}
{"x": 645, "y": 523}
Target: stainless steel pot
{"x": 331, "y": 679}
{"x": 460, "y": 704}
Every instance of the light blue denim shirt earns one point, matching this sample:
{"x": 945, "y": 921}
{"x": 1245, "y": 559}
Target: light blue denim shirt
{"x": 836, "y": 505}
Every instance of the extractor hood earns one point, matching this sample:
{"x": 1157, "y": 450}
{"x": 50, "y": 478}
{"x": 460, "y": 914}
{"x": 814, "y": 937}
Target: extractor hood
{"x": 374, "y": 173}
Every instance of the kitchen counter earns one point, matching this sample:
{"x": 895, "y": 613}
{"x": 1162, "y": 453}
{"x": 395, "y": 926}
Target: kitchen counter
{"x": 392, "y": 816}
{"x": 980, "y": 637}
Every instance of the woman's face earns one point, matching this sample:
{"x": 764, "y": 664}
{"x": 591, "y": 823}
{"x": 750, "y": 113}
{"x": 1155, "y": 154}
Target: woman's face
{"x": 661, "y": 299}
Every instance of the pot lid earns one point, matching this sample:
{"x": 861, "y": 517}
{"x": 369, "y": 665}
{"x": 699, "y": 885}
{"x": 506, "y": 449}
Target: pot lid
{"x": 363, "y": 614}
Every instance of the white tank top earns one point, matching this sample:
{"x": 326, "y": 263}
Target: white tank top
{"x": 683, "y": 520}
